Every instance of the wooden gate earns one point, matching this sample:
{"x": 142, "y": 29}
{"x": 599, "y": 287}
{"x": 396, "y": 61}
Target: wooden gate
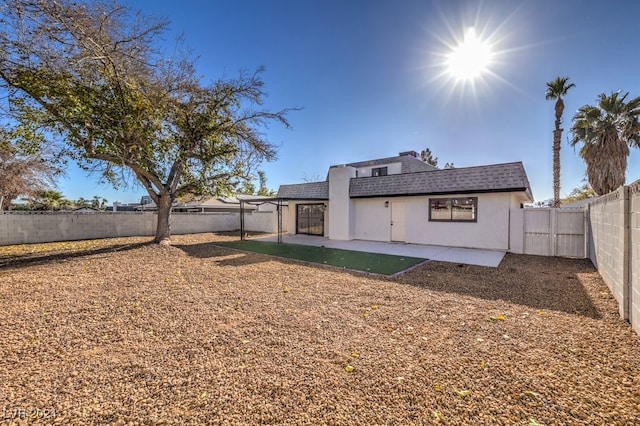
{"x": 555, "y": 232}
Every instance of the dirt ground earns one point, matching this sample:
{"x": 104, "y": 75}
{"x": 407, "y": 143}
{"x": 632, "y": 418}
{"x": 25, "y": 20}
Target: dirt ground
{"x": 120, "y": 331}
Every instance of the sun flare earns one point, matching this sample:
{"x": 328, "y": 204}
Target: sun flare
{"x": 470, "y": 59}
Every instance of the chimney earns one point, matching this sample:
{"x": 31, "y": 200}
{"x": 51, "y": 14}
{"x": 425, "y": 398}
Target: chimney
{"x": 411, "y": 153}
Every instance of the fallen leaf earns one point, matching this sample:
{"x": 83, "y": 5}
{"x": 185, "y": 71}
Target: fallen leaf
{"x": 374, "y": 306}
{"x": 500, "y": 317}
{"x": 531, "y": 394}
{"x": 364, "y": 314}
{"x": 437, "y": 387}
{"x": 355, "y": 354}
{"x": 437, "y": 414}
{"x": 348, "y": 368}
{"x": 482, "y": 365}
{"x": 463, "y": 393}
{"x": 533, "y": 422}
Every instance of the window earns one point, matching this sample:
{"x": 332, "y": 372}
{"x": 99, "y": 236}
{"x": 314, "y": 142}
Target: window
{"x": 379, "y": 171}
{"x": 463, "y": 209}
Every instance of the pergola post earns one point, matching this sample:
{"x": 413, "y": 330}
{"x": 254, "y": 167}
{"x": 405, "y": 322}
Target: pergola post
{"x": 279, "y": 209}
{"x": 241, "y": 220}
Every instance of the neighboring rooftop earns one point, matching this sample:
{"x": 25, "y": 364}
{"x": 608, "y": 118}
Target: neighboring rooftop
{"x": 493, "y": 178}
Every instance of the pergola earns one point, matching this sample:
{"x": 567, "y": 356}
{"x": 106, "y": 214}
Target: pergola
{"x": 276, "y": 201}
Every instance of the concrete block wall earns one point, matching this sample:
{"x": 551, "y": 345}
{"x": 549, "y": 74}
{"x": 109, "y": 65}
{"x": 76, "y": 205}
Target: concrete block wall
{"x": 42, "y": 227}
{"x": 190, "y": 223}
{"x": 634, "y": 256}
{"x": 264, "y": 221}
{"x": 607, "y": 220}
{"x": 27, "y": 228}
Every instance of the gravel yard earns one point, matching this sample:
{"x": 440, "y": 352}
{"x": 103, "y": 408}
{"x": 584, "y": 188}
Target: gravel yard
{"x": 117, "y": 331}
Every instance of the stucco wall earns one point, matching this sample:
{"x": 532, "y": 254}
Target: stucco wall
{"x": 392, "y": 169}
{"x": 516, "y": 224}
{"x": 372, "y": 219}
{"x": 341, "y": 206}
{"x": 609, "y": 246}
{"x": 491, "y": 231}
{"x": 516, "y": 230}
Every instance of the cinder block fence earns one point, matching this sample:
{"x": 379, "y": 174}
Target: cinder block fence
{"x": 614, "y": 229}
{"x": 41, "y": 227}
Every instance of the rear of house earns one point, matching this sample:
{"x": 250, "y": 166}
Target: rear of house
{"x": 406, "y": 200}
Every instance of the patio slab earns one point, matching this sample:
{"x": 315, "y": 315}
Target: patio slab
{"x": 490, "y": 258}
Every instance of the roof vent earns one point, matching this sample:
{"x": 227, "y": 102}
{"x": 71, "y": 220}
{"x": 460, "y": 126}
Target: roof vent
{"x": 411, "y": 153}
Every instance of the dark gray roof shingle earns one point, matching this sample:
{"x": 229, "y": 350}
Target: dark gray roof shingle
{"x": 305, "y": 191}
{"x": 493, "y": 178}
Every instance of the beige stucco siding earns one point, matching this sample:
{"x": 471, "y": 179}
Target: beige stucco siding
{"x": 372, "y": 219}
{"x": 491, "y": 231}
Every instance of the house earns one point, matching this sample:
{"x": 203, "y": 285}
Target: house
{"x": 404, "y": 199}
{"x": 214, "y": 204}
{"x": 196, "y": 205}
{"x": 85, "y": 209}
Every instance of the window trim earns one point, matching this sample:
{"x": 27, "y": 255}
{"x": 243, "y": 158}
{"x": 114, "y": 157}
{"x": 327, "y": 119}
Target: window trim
{"x": 382, "y": 171}
{"x": 449, "y": 201}
{"x": 323, "y": 209}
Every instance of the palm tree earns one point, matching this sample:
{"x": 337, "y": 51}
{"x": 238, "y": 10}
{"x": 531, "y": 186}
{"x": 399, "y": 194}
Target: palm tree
{"x": 557, "y": 89}
{"x": 49, "y": 199}
{"x": 607, "y": 130}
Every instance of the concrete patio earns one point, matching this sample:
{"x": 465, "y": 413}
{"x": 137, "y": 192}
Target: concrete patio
{"x": 490, "y": 258}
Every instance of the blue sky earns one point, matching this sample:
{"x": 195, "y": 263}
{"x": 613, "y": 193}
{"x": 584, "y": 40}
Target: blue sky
{"x": 369, "y": 77}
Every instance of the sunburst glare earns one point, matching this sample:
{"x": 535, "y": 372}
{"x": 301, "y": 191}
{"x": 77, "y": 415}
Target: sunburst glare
{"x": 469, "y": 59}
{"x": 469, "y": 62}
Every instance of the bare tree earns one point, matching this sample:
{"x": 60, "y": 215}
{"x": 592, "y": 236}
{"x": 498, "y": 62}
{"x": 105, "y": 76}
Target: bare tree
{"x": 22, "y": 174}
{"x": 91, "y": 74}
{"x": 312, "y": 178}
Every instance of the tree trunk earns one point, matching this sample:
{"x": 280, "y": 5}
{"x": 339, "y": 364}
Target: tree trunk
{"x": 557, "y": 139}
{"x": 557, "y": 142}
{"x": 163, "y": 229}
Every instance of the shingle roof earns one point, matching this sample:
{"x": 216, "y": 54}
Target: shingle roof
{"x": 305, "y": 191}
{"x": 493, "y": 178}
{"x": 410, "y": 164}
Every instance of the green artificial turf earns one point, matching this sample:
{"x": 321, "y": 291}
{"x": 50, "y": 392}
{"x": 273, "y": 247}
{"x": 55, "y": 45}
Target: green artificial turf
{"x": 368, "y": 262}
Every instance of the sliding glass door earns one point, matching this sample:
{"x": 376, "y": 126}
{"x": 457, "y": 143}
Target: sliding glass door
{"x": 310, "y": 219}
